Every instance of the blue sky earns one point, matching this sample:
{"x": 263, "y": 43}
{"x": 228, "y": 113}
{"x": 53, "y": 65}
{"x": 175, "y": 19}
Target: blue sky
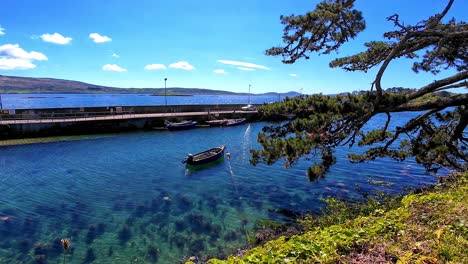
{"x": 196, "y": 44}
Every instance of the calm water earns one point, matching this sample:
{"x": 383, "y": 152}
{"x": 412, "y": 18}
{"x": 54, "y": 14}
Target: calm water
{"x": 32, "y": 101}
{"x": 129, "y": 199}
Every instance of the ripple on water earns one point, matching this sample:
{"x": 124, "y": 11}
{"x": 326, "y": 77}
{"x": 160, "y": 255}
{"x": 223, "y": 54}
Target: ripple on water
{"x": 130, "y": 197}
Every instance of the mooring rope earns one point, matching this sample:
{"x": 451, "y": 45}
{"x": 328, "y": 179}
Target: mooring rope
{"x": 242, "y": 217}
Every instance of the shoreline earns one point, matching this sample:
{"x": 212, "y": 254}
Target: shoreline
{"x": 334, "y": 236}
{"x": 44, "y": 140}
{"x": 171, "y": 95}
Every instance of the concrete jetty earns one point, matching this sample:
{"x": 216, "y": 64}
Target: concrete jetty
{"x": 85, "y": 120}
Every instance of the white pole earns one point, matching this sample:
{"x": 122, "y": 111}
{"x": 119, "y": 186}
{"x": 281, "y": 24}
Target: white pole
{"x": 165, "y": 92}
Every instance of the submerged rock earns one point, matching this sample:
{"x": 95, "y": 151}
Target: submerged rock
{"x": 230, "y": 236}
{"x": 24, "y": 245}
{"x": 153, "y": 253}
{"x": 179, "y": 241}
{"x": 40, "y": 249}
{"x": 101, "y": 228}
{"x": 30, "y": 226}
{"x": 40, "y": 259}
{"x": 56, "y": 247}
{"x": 91, "y": 235}
{"x": 140, "y": 211}
{"x": 90, "y": 256}
{"x": 197, "y": 247}
{"x": 125, "y": 234}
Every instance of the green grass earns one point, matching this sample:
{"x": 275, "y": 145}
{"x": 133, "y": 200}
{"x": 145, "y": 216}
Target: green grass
{"x": 428, "y": 227}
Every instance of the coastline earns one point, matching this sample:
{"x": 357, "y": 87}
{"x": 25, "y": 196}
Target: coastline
{"x": 171, "y": 95}
{"x": 40, "y": 140}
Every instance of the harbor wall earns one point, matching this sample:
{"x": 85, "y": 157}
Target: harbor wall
{"x": 110, "y": 110}
{"x": 23, "y": 123}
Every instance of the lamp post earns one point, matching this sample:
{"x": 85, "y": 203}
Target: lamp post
{"x": 165, "y": 92}
{"x": 1, "y": 107}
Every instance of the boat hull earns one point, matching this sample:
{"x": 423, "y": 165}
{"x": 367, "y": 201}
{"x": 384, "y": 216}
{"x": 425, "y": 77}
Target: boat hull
{"x": 216, "y": 123}
{"x": 205, "y": 157}
{"x": 235, "y": 122}
{"x": 205, "y": 165}
{"x": 182, "y": 125}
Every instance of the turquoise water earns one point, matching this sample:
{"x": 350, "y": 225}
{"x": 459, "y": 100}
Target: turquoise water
{"x": 129, "y": 199}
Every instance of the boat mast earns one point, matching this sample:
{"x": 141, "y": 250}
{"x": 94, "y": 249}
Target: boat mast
{"x": 249, "y": 94}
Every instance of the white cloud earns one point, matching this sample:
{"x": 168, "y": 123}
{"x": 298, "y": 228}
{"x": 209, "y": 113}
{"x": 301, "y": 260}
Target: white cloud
{"x": 15, "y": 64}
{"x": 244, "y": 64}
{"x": 98, "y": 38}
{"x": 2, "y": 30}
{"x": 220, "y": 71}
{"x": 183, "y": 65}
{"x": 155, "y": 67}
{"x": 115, "y": 55}
{"x": 15, "y": 52}
{"x": 245, "y": 69}
{"x": 56, "y": 38}
{"x": 113, "y": 67}
{"x": 293, "y": 75}
{"x": 12, "y": 57}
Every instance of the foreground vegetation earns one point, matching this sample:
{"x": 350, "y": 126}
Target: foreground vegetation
{"x": 426, "y": 227}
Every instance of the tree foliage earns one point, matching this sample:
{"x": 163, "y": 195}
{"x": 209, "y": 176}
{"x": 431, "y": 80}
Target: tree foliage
{"x": 436, "y": 137}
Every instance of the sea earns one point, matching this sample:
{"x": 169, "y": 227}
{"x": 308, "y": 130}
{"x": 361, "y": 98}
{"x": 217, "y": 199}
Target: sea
{"x": 35, "y": 101}
{"x": 127, "y": 198}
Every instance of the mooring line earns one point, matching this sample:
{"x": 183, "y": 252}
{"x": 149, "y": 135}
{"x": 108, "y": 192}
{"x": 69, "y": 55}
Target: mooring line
{"x": 231, "y": 172}
{"x": 242, "y": 217}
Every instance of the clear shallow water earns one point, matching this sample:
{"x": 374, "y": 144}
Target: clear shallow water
{"x": 123, "y": 197}
{"x": 33, "y": 101}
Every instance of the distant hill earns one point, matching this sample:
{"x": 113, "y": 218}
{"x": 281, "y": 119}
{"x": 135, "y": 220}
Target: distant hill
{"x": 12, "y": 84}
{"x": 288, "y": 94}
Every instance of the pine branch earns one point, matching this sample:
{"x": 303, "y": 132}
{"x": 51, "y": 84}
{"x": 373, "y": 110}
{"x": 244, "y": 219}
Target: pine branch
{"x": 437, "y": 84}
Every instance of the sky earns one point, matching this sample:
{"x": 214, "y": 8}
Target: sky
{"x": 194, "y": 44}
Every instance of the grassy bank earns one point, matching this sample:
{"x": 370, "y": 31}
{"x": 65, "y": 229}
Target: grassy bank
{"x": 426, "y": 227}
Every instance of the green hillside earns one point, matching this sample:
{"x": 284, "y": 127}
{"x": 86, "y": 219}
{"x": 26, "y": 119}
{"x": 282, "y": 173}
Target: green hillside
{"x": 12, "y": 84}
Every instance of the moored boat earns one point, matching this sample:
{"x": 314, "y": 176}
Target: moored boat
{"x": 181, "y": 125}
{"x": 234, "y": 122}
{"x": 205, "y": 157}
{"x": 215, "y": 123}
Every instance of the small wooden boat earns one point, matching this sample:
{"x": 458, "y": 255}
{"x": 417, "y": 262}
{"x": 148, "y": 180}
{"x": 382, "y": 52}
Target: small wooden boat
{"x": 181, "y": 125}
{"x": 205, "y": 157}
{"x": 216, "y": 123}
{"x": 234, "y": 122}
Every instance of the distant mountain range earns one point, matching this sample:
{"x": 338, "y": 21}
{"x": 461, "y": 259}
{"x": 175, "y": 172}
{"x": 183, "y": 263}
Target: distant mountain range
{"x": 12, "y": 84}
